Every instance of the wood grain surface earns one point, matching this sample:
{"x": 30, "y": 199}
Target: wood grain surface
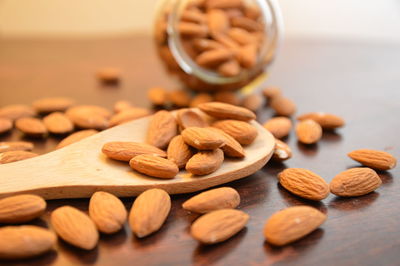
{"x": 358, "y": 81}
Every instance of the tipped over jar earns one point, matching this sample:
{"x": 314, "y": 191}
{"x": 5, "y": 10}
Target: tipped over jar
{"x": 214, "y": 45}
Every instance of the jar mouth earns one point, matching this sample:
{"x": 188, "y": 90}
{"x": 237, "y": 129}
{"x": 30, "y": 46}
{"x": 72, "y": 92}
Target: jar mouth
{"x": 271, "y": 17}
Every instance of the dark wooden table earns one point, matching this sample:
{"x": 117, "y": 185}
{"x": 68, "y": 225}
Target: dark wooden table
{"x": 359, "y": 81}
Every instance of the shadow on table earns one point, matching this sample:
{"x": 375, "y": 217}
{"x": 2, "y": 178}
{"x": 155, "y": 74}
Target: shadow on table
{"x": 76, "y": 255}
{"x": 353, "y": 203}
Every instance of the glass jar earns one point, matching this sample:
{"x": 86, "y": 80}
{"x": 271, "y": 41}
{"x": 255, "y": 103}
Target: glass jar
{"x": 214, "y": 45}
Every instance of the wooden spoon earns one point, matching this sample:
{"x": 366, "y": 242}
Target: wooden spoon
{"x": 80, "y": 169}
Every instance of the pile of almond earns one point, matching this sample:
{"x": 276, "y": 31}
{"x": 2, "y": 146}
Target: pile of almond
{"x": 188, "y": 139}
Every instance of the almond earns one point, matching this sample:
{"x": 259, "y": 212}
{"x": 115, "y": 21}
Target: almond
{"x": 31, "y": 126}
{"x": 279, "y": 126}
{"x": 89, "y": 116}
{"x": 283, "y": 106}
{"x": 214, "y": 199}
{"x": 125, "y": 151}
{"x": 205, "y": 162}
{"x": 227, "y": 97}
{"x": 375, "y": 159}
{"x": 246, "y": 24}
{"x": 231, "y": 147}
{"x": 16, "y": 111}
{"x": 241, "y": 131}
{"x": 272, "y": 92}
{"x": 158, "y": 96}
{"x": 202, "y": 138}
{"x": 217, "y": 21}
{"x": 355, "y": 182}
{"x": 190, "y": 29}
{"x": 108, "y": 74}
{"x": 213, "y": 58}
{"x": 107, "y": 212}
{"x": 19, "y": 242}
{"x": 227, "y": 111}
{"x": 247, "y": 55}
{"x": 202, "y": 45}
{"x": 162, "y": 128}
{"x": 122, "y": 105}
{"x": 201, "y": 98}
{"x": 127, "y": 115}
{"x": 224, "y": 4}
{"x": 179, "y": 152}
{"x": 75, "y": 137}
{"x": 325, "y": 120}
{"x": 218, "y": 226}
{"x": 5, "y": 125}
{"x": 14, "y": 156}
{"x": 291, "y": 224}
{"x": 308, "y": 131}
{"x": 154, "y": 166}
{"x": 179, "y": 98}
{"x": 149, "y": 212}
{"x": 304, "y": 183}
{"x": 282, "y": 151}
{"x": 242, "y": 36}
{"x": 15, "y": 146}
{"x": 188, "y": 118}
{"x": 193, "y": 15}
{"x": 58, "y": 123}
{"x": 52, "y": 104}
{"x": 253, "y": 102}
{"x": 229, "y": 68}
{"x": 74, "y": 227}
{"x": 21, "y": 208}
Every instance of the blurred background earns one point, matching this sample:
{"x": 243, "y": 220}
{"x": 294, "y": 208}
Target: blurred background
{"x": 351, "y": 19}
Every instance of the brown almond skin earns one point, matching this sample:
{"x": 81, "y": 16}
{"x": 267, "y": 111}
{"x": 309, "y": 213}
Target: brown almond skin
{"x": 149, "y": 212}
{"x": 52, "y": 104}
{"x": 89, "y": 116}
{"x": 205, "y": 162}
{"x": 231, "y": 147}
{"x": 378, "y": 160}
{"x": 107, "y": 212}
{"x": 31, "y": 126}
{"x": 75, "y": 137}
{"x": 291, "y": 224}
{"x": 179, "y": 152}
{"x": 355, "y": 182}
{"x": 127, "y": 115}
{"x": 202, "y": 138}
{"x": 282, "y": 151}
{"x": 5, "y": 125}
{"x": 162, "y": 128}
{"x": 253, "y": 102}
{"x": 58, "y": 123}
{"x": 283, "y": 106}
{"x": 14, "y": 156}
{"x": 218, "y": 226}
{"x": 21, "y": 208}
{"x": 125, "y": 151}
{"x": 189, "y": 118}
{"x": 154, "y": 166}
{"x": 279, "y": 126}
{"x": 227, "y": 111}
{"x": 241, "y": 131}
{"x": 26, "y": 241}
{"x": 304, "y": 183}
{"x": 326, "y": 120}
{"x": 214, "y": 199}
{"x": 15, "y": 146}
{"x": 16, "y": 111}
{"x": 109, "y": 74}
{"x": 158, "y": 96}
{"x": 74, "y": 227}
{"x": 308, "y": 131}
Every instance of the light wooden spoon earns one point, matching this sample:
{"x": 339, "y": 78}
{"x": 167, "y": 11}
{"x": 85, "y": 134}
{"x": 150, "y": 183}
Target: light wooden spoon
{"x": 80, "y": 169}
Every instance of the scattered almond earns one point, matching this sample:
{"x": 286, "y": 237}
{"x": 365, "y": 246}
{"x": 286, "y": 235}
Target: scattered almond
{"x": 282, "y": 151}
{"x": 162, "y": 128}
{"x": 202, "y": 138}
{"x": 107, "y": 212}
{"x": 325, "y": 120}
{"x": 279, "y": 126}
{"x": 214, "y": 199}
{"x": 189, "y": 118}
{"x": 283, "y": 106}
{"x": 304, "y": 183}
{"x": 122, "y": 105}
{"x": 15, "y": 146}
{"x": 127, "y": 115}
{"x": 227, "y": 111}
{"x": 108, "y": 74}
{"x": 241, "y": 131}
{"x": 218, "y": 226}
{"x": 231, "y": 147}
{"x": 21, "y": 208}
{"x": 154, "y": 166}
{"x": 74, "y": 227}
{"x": 149, "y": 212}
{"x": 355, "y": 182}
{"x": 158, "y": 96}
{"x": 14, "y": 156}
{"x": 31, "y": 126}
{"x": 179, "y": 152}
{"x": 375, "y": 159}
{"x": 272, "y": 92}
{"x": 253, "y": 102}
{"x": 52, "y": 104}
{"x": 75, "y": 137}
{"x": 89, "y": 116}
{"x": 205, "y": 162}
{"x": 308, "y": 131}
{"x": 179, "y": 98}
{"x": 291, "y": 224}
{"x": 16, "y": 111}
{"x": 58, "y": 123}
{"x": 125, "y": 151}
{"x": 201, "y": 98}
{"x": 227, "y": 97}
{"x": 20, "y": 242}
{"x": 5, "y": 125}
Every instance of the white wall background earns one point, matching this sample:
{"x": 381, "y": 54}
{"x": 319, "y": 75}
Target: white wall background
{"x": 366, "y": 19}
